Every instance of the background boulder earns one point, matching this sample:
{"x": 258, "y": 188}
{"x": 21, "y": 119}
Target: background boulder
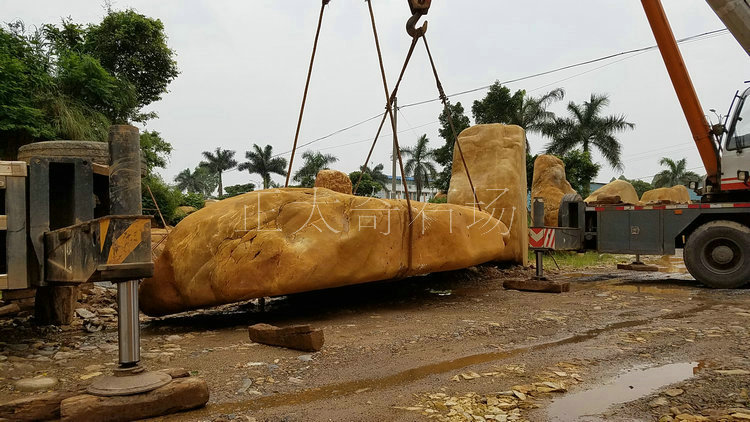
{"x": 549, "y": 182}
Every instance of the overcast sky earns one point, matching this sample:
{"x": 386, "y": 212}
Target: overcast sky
{"x": 243, "y": 66}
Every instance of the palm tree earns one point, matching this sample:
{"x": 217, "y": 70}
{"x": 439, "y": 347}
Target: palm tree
{"x": 587, "y": 127}
{"x": 418, "y": 165}
{"x": 376, "y": 173}
{"x": 533, "y": 115}
{"x": 314, "y": 162}
{"x": 199, "y": 181}
{"x": 262, "y": 162}
{"x": 675, "y": 174}
{"x": 219, "y": 161}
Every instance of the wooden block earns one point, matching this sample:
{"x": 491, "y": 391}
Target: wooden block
{"x": 11, "y": 309}
{"x": 298, "y": 337}
{"x": 42, "y": 407}
{"x": 18, "y": 294}
{"x": 540, "y": 286}
{"x": 638, "y": 267}
{"x": 16, "y": 239}
{"x": 3, "y": 281}
{"x": 55, "y": 304}
{"x": 13, "y": 168}
{"x": 100, "y": 169}
{"x": 177, "y": 396}
{"x": 2, "y": 182}
{"x": 3, "y": 222}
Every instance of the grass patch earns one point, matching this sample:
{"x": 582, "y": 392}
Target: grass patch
{"x": 579, "y": 260}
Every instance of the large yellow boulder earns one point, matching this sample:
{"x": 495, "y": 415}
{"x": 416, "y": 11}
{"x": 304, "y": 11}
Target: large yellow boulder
{"x": 281, "y": 241}
{"x": 334, "y": 180}
{"x": 496, "y": 157}
{"x": 549, "y": 182}
{"x": 674, "y": 195}
{"x": 608, "y": 192}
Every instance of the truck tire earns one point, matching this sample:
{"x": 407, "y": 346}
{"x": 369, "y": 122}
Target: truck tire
{"x": 96, "y": 152}
{"x": 718, "y": 254}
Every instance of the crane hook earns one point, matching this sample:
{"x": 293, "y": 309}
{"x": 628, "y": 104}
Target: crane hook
{"x": 418, "y": 9}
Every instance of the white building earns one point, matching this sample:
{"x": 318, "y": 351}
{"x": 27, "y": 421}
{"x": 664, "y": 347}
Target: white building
{"x": 427, "y": 192}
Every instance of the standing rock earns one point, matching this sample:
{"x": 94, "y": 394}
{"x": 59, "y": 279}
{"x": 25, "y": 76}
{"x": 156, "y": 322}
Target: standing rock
{"x": 549, "y": 182}
{"x": 496, "y": 157}
{"x": 674, "y": 195}
{"x": 334, "y": 180}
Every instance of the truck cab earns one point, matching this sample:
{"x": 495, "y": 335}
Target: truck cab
{"x": 735, "y": 160}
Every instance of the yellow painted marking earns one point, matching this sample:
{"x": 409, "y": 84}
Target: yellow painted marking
{"x": 127, "y": 242}
{"x": 103, "y": 227}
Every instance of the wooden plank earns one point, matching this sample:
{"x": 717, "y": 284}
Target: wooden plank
{"x": 11, "y": 309}
{"x": 55, "y": 304}
{"x": 540, "y": 286}
{"x": 41, "y": 407}
{"x": 13, "y": 168}
{"x": 3, "y": 281}
{"x": 2, "y": 182}
{"x": 100, "y": 169}
{"x": 3, "y": 222}
{"x": 16, "y": 239}
{"x": 299, "y": 337}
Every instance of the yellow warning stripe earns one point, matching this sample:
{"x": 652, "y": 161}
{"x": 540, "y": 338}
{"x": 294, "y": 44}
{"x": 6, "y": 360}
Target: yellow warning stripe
{"x": 127, "y": 242}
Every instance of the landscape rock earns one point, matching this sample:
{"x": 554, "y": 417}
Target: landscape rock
{"x": 617, "y": 188}
{"x": 674, "y": 195}
{"x": 496, "y": 157}
{"x": 85, "y": 313}
{"x": 334, "y": 180}
{"x": 282, "y": 241}
{"x": 299, "y": 337}
{"x": 35, "y": 384}
{"x": 549, "y": 182}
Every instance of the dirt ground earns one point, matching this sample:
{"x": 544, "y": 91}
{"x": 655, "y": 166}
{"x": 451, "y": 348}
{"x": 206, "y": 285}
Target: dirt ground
{"x": 620, "y": 346}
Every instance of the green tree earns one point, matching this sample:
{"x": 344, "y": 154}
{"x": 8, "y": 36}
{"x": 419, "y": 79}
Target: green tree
{"x": 201, "y": 181}
{"x": 444, "y": 155}
{"x": 375, "y": 173}
{"x": 676, "y": 173}
{"x": 167, "y": 199}
{"x": 639, "y": 185}
{"x": 367, "y": 186}
{"x": 261, "y": 161}
{"x": 314, "y": 162}
{"x": 580, "y": 170}
{"x": 155, "y": 149}
{"x": 218, "y": 162}
{"x": 587, "y": 128}
{"x": 235, "y": 190}
{"x": 419, "y": 165}
{"x": 498, "y": 106}
{"x": 133, "y": 47}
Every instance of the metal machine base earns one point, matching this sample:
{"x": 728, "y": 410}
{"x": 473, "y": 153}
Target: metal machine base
{"x": 129, "y": 381}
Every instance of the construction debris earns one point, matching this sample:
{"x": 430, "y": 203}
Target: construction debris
{"x": 533, "y": 285}
{"x": 298, "y": 337}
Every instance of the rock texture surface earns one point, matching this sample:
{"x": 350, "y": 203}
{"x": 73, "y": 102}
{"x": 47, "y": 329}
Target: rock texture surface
{"x": 282, "y": 241}
{"x": 674, "y": 195}
{"x": 496, "y": 156}
{"x": 334, "y": 180}
{"x": 549, "y": 182}
{"x": 620, "y": 188}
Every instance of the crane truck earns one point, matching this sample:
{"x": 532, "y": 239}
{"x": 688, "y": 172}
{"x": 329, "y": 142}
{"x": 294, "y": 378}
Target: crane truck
{"x": 713, "y": 234}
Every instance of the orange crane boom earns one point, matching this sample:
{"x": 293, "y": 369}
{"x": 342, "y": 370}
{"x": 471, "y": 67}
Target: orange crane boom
{"x": 683, "y": 86}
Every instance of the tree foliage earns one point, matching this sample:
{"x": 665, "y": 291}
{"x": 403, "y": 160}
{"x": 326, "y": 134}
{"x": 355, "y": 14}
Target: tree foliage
{"x": 367, "y": 186}
{"x": 586, "y": 127}
{"x": 418, "y": 164}
{"x": 235, "y": 190}
{"x": 200, "y": 181}
{"x": 676, "y": 173}
{"x": 580, "y": 170}
{"x": 639, "y": 185}
{"x": 155, "y": 149}
{"x": 218, "y": 162}
{"x": 70, "y": 81}
{"x": 498, "y": 106}
{"x": 375, "y": 173}
{"x": 444, "y": 155}
{"x": 167, "y": 198}
{"x": 262, "y": 162}
{"x": 314, "y": 161}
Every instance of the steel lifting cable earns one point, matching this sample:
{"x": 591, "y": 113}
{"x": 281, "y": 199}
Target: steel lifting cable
{"x": 304, "y": 95}
{"x": 389, "y": 96}
{"x": 449, "y": 115}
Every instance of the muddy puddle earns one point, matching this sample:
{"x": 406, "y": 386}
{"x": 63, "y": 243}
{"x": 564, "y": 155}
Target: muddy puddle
{"x": 636, "y": 383}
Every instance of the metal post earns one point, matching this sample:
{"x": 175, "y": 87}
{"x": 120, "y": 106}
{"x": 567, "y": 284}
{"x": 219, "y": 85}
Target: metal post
{"x": 395, "y": 151}
{"x": 537, "y": 219}
{"x": 125, "y": 199}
